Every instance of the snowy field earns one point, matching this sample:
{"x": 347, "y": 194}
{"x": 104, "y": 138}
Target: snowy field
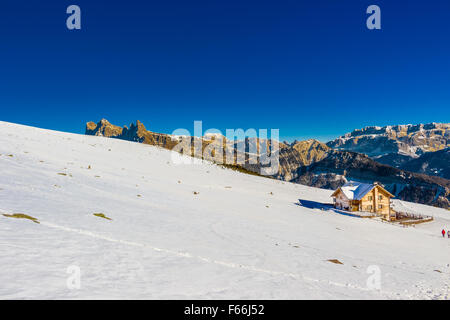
{"x": 240, "y": 237}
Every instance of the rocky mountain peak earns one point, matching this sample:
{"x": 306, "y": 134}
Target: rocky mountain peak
{"x": 103, "y": 128}
{"x": 137, "y": 129}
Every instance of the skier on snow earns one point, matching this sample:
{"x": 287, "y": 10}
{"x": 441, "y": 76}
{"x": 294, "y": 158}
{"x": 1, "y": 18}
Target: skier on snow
{"x": 443, "y": 233}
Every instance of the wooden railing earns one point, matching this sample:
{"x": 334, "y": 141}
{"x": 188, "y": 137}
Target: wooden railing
{"x": 411, "y": 218}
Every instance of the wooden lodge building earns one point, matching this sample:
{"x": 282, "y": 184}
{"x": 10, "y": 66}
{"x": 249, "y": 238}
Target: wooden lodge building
{"x": 356, "y": 196}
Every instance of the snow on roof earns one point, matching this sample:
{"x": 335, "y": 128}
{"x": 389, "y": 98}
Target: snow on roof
{"x": 356, "y": 190}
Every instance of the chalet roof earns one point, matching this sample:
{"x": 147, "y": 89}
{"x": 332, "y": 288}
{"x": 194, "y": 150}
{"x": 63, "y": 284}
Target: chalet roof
{"x": 356, "y": 190}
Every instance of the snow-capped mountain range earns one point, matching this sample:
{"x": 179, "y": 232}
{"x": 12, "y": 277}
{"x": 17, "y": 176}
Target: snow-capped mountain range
{"x": 396, "y": 145}
{"x": 410, "y": 140}
{"x": 331, "y": 165}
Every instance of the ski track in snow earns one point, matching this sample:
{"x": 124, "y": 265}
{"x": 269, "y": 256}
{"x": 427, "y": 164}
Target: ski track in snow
{"x": 204, "y": 259}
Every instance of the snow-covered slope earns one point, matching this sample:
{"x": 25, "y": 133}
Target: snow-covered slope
{"x": 241, "y": 236}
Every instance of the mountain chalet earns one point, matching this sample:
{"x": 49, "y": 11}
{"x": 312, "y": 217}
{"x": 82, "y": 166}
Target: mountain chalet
{"x": 356, "y": 196}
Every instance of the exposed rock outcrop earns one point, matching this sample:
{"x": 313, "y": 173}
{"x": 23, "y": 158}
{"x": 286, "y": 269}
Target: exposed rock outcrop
{"x": 300, "y": 154}
{"x": 137, "y": 132}
{"x": 103, "y": 128}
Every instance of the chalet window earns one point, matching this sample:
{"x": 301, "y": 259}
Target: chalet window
{"x": 380, "y": 206}
{"x": 370, "y": 198}
{"x": 369, "y": 207}
{"x": 380, "y": 197}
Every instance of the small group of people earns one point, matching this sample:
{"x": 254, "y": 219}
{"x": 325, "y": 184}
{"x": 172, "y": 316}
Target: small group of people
{"x": 443, "y": 233}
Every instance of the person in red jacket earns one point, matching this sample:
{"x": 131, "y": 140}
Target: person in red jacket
{"x": 443, "y": 233}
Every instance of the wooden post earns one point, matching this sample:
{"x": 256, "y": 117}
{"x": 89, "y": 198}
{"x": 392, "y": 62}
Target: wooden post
{"x": 389, "y": 213}
{"x": 375, "y": 199}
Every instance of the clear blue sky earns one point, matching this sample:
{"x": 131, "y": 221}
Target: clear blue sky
{"x": 309, "y": 68}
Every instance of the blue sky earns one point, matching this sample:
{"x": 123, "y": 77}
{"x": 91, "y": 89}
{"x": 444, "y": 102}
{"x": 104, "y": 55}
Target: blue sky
{"x": 308, "y": 68}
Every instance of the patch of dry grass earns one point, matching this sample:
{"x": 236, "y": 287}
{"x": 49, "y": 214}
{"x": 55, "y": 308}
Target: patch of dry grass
{"x": 336, "y": 261}
{"x": 21, "y": 216}
{"x": 102, "y": 215}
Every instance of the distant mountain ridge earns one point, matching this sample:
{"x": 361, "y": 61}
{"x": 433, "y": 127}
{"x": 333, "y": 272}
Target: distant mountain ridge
{"x": 199, "y": 146}
{"x": 300, "y": 154}
{"x": 314, "y": 163}
{"x": 292, "y": 156}
{"x": 399, "y": 145}
{"x": 137, "y": 132}
{"x": 410, "y": 140}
